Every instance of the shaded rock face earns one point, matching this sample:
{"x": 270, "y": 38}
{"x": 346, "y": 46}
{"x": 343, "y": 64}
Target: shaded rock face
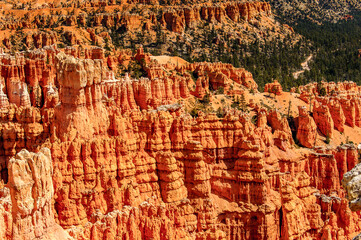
{"x": 128, "y": 165}
{"x": 26, "y": 201}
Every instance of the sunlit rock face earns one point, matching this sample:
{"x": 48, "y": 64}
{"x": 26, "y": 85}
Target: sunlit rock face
{"x": 27, "y": 200}
{"x": 125, "y": 159}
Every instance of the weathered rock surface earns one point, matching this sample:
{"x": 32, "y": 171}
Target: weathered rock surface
{"x": 274, "y": 88}
{"x": 282, "y": 133}
{"x": 323, "y": 119}
{"x": 339, "y": 105}
{"x": 130, "y": 162}
{"x": 306, "y": 131}
{"x": 27, "y": 200}
{"x": 352, "y": 182}
{"x": 175, "y": 17}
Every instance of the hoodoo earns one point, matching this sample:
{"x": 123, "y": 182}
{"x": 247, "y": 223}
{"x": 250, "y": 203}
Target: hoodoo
{"x": 163, "y": 120}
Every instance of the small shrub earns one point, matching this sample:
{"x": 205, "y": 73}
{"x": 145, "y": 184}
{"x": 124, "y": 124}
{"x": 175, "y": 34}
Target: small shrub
{"x": 220, "y": 90}
{"x": 328, "y": 140}
{"x": 254, "y": 119}
{"x": 206, "y": 99}
{"x": 194, "y": 76}
{"x": 322, "y": 92}
{"x": 194, "y": 113}
{"x": 220, "y": 112}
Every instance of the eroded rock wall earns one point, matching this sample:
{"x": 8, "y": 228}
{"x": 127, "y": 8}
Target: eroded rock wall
{"x": 123, "y": 167}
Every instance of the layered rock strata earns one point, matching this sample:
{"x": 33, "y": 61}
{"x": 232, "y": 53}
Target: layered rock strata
{"x": 128, "y": 166}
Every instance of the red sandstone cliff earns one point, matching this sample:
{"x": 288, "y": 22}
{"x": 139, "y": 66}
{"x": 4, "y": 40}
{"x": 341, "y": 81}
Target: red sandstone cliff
{"x": 129, "y": 163}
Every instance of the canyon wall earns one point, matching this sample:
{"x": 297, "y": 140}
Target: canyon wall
{"x": 130, "y": 162}
{"x": 129, "y": 24}
{"x": 173, "y": 17}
